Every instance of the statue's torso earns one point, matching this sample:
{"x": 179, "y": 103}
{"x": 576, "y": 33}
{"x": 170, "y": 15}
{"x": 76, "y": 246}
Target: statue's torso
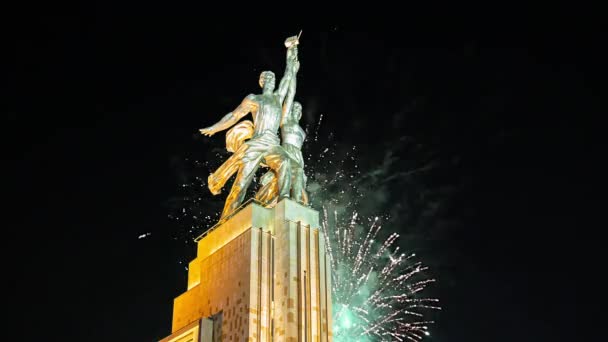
{"x": 293, "y": 134}
{"x": 267, "y": 118}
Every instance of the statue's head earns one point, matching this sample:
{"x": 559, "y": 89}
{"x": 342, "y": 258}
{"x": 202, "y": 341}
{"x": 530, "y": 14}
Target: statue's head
{"x": 296, "y": 111}
{"x": 267, "y": 80}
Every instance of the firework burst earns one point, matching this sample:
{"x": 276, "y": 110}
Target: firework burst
{"x": 376, "y": 289}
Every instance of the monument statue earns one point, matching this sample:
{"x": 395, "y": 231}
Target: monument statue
{"x": 263, "y": 274}
{"x": 263, "y": 144}
{"x": 292, "y": 136}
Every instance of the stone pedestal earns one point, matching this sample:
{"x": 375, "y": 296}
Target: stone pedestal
{"x": 262, "y": 275}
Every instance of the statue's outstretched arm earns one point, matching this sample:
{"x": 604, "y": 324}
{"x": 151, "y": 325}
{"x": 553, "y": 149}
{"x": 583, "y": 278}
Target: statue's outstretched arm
{"x": 291, "y": 93}
{"x": 290, "y": 72}
{"x": 248, "y": 105}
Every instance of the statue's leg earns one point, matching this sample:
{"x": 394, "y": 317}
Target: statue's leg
{"x": 241, "y": 183}
{"x": 279, "y": 161}
{"x": 298, "y": 183}
{"x": 218, "y": 179}
{"x": 304, "y": 193}
{"x": 269, "y": 188}
{"x": 304, "y": 197}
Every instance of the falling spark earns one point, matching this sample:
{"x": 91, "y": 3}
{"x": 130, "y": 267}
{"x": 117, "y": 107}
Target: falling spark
{"x": 143, "y": 236}
{"x": 317, "y": 129}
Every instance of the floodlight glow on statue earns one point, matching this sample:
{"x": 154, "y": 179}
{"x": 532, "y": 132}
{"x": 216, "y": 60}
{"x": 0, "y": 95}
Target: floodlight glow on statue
{"x": 263, "y": 146}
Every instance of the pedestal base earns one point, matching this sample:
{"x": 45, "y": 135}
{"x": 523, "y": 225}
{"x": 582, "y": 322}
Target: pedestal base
{"x": 263, "y": 275}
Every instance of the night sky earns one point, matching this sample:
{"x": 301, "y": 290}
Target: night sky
{"x": 103, "y": 109}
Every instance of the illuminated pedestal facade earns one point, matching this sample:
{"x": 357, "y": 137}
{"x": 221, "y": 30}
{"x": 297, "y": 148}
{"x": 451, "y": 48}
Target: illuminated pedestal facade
{"x": 263, "y": 275}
